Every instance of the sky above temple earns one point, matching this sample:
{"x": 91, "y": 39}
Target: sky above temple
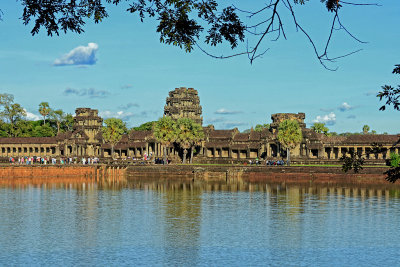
{"x": 120, "y": 68}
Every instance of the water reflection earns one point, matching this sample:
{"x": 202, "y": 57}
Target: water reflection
{"x": 181, "y": 222}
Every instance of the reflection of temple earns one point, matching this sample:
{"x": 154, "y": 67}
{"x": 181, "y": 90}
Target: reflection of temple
{"x": 219, "y": 146}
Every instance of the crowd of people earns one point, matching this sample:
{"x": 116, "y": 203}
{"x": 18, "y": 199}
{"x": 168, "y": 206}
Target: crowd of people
{"x": 30, "y": 160}
{"x": 267, "y": 162}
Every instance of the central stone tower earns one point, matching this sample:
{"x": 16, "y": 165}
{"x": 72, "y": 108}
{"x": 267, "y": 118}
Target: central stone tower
{"x": 184, "y": 103}
{"x": 88, "y": 121}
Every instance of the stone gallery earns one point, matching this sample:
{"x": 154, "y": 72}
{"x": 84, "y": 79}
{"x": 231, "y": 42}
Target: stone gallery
{"x": 219, "y": 146}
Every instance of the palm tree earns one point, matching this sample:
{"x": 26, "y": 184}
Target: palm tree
{"x": 113, "y": 131}
{"x": 165, "y": 132}
{"x": 188, "y": 135}
{"x": 365, "y": 129}
{"x": 289, "y": 135}
{"x": 44, "y": 110}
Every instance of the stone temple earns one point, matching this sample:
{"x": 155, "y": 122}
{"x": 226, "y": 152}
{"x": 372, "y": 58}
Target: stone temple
{"x": 219, "y": 146}
{"x": 184, "y": 103}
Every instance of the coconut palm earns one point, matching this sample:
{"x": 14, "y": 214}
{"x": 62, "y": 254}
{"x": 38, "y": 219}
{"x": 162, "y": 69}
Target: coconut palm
{"x": 188, "y": 135}
{"x": 165, "y": 132}
{"x": 44, "y": 110}
{"x": 289, "y": 135}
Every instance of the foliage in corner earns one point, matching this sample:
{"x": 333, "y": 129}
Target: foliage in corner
{"x": 352, "y": 162}
{"x": 392, "y": 97}
{"x": 391, "y": 94}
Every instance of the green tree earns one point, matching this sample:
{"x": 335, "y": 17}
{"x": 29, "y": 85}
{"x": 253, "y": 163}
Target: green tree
{"x": 68, "y": 122}
{"x": 4, "y": 129}
{"x": 43, "y": 131}
{"x": 261, "y": 127}
{"x": 12, "y": 112}
{"x": 188, "y": 135}
{"x": 365, "y": 129}
{"x": 320, "y": 127}
{"x": 165, "y": 133}
{"x": 147, "y": 126}
{"x": 289, "y": 135}
{"x": 58, "y": 116}
{"x": 113, "y": 131}
{"x": 25, "y": 128}
{"x": 394, "y": 160}
{"x": 190, "y": 23}
{"x": 44, "y": 110}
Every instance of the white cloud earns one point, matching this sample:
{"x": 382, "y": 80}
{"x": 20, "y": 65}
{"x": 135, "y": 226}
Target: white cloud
{"x": 81, "y": 55}
{"x": 345, "y": 107}
{"x": 125, "y": 116}
{"x": 329, "y": 119}
{"x": 32, "y": 117}
{"x": 223, "y": 111}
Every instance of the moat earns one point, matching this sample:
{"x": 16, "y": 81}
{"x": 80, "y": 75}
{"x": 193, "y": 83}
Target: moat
{"x": 177, "y": 222}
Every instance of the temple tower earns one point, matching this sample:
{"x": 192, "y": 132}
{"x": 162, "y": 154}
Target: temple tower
{"x": 88, "y": 120}
{"x": 277, "y": 118}
{"x": 184, "y": 103}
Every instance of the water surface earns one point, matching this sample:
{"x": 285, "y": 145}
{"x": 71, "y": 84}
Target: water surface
{"x": 198, "y": 224}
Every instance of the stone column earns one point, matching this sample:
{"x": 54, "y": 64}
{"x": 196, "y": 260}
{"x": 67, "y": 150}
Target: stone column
{"x": 385, "y": 154}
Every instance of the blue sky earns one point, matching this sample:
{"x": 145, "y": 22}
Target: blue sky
{"x": 120, "y": 68}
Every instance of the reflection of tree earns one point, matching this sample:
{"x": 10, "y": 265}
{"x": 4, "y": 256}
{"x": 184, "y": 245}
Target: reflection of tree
{"x": 86, "y": 217}
{"x": 286, "y": 208}
{"x": 182, "y": 224}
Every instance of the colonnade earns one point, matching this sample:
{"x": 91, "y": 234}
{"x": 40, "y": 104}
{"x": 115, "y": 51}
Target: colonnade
{"x": 336, "y": 152}
{"x": 233, "y": 153}
{"x": 22, "y": 150}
